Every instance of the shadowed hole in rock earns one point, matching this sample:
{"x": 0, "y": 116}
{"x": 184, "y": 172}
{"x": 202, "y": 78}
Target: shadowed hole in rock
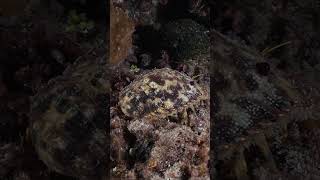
{"x": 131, "y": 140}
{"x": 141, "y": 151}
{"x": 185, "y": 174}
{"x": 144, "y": 39}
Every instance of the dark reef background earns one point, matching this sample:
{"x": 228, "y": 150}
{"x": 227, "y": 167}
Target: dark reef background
{"x": 50, "y": 42}
{"x": 265, "y": 89}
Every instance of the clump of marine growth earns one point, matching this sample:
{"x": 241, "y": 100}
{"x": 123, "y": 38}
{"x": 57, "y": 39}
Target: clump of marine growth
{"x": 160, "y": 93}
{"x": 160, "y": 104}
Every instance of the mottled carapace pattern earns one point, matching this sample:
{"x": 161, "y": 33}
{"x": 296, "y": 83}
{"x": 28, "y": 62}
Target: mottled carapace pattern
{"x": 159, "y": 93}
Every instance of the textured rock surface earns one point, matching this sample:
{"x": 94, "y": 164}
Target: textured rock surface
{"x": 68, "y": 126}
{"x": 272, "y": 63}
{"x": 259, "y": 117}
{"x": 161, "y": 141}
{"x": 121, "y": 29}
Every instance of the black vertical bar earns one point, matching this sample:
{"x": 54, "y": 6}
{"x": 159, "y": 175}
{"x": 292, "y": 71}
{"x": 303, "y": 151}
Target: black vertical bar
{"x": 212, "y": 101}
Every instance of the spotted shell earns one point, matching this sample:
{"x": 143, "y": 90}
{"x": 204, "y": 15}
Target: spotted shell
{"x": 159, "y": 93}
